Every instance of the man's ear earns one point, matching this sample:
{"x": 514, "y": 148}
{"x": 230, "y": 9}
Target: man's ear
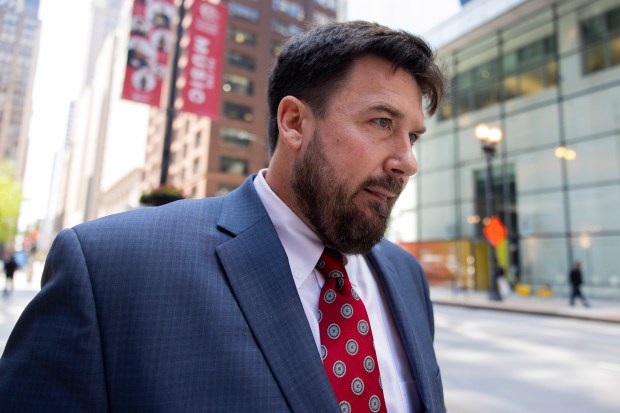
{"x": 291, "y": 115}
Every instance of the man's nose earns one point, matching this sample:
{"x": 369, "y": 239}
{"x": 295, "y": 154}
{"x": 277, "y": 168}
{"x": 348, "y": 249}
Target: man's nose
{"x": 402, "y": 161}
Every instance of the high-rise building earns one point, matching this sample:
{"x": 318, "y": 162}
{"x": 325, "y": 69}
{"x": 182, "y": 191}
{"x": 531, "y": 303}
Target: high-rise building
{"x": 19, "y": 44}
{"x": 212, "y": 158}
{"x": 92, "y": 115}
{"x": 105, "y": 17}
{"x": 547, "y": 74}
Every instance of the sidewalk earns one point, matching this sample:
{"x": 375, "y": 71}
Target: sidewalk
{"x": 12, "y": 305}
{"x": 606, "y": 311}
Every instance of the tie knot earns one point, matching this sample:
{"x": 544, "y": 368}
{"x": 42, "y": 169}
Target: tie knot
{"x": 331, "y": 264}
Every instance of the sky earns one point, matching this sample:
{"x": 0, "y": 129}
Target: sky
{"x": 60, "y": 68}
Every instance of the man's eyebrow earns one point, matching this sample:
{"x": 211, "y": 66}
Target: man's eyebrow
{"x": 395, "y": 113}
{"x": 391, "y": 110}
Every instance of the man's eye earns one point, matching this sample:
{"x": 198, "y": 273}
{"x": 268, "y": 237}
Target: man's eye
{"x": 382, "y": 122}
{"x": 413, "y": 138}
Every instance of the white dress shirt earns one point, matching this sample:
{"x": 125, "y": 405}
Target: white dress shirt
{"x": 304, "y": 249}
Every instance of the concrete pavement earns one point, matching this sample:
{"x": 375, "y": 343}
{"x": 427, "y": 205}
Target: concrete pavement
{"x": 12, "y": 304}
{"x": 606, "y": 311}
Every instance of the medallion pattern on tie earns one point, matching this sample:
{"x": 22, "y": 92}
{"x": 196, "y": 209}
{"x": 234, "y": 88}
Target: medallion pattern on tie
{"x": 347, "y": 346}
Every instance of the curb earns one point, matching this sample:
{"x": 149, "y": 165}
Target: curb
{"x": 531, "y": 310}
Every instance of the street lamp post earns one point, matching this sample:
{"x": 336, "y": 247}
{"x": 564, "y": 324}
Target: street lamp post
{"x": 489, "y": 138}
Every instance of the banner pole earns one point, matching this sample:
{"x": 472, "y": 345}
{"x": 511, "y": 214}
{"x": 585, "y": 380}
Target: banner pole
{"x": 172, "y": 92}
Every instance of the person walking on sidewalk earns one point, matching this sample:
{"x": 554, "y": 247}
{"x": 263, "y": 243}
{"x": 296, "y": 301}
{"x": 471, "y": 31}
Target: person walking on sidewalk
{"x": 10, "y": 266}
{"x": 576, "y": 279}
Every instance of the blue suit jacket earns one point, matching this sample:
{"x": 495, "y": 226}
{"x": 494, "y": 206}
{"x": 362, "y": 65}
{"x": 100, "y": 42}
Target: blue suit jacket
{"x": 190, "y": 307}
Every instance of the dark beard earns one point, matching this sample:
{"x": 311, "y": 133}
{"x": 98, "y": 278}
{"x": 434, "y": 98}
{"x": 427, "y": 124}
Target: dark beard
{"x": 331, "y": 211}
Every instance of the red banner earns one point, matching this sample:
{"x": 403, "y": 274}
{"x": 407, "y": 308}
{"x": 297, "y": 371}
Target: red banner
{"x": 150, "y": 42}
{"x": 203, "y": 73}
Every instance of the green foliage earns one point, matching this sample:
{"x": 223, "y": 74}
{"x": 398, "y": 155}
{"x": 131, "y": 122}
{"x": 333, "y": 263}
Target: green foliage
{"x": 10, "y": 202}
{"x": 161, "y": 196}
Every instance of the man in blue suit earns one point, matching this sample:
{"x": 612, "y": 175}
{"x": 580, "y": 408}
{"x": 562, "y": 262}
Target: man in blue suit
{"x": 212, "y": 305}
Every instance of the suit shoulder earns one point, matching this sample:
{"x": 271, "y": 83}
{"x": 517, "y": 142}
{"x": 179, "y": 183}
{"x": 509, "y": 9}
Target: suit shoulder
{"x": 398, "y": 254}
{"x": 175, "y": 216}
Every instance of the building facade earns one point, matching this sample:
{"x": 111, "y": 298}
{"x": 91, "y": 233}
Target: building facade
{"x": 212, "y": 158}
{"x": 547, "y": 74}
{"x": 19, "y": 44}
{"x": 106, "y": 134}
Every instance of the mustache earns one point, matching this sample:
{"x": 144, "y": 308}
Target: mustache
{"x": 389, "y": 183}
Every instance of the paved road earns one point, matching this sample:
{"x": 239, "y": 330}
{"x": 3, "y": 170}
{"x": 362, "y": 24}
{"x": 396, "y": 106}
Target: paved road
{"x": 497, "y": 361}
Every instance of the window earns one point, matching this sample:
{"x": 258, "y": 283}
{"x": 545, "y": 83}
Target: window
{"x": 10, "y": 20}
{"x": 615, "y": 51}
{"x": 445, "y": 111}
{"x": 243, "y": 12}
{"x": 531, "y": 81}
{"x": 237, "y": 137}
{"x": 7, "y": 4}
{"x": 321, "y": 18}
{"x": 600, "y": 36}
{"x": 526, "y": 70}
{"x": 328, "y": 4}
{"x": 242, "y": 36}
{"x": 285, "y": 28}
{"x": 593, "y": 29}
{"x": 233, "y": 166}
{"x": 290, "y": 8}
{"x": 238, "y": 84}
{"x": 224, "y": 189}
{"x": 530, "y": 68}
{"x": 241, "y": 60}
{"x": 276, "y": 47}
{"x": 235, "y": 111}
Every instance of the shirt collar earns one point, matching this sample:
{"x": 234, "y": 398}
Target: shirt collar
{"x": 301, "y": 244}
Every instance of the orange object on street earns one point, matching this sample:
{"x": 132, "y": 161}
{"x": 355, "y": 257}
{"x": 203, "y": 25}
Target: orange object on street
{"x": 495, "y": 231}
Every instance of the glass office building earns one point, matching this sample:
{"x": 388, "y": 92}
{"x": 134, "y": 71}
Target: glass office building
{"x": 547, "y": 73}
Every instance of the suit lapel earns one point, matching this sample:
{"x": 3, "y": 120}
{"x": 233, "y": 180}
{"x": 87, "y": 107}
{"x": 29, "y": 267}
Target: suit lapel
{"x": 257, "y": 268}
{"x": 409, "y": 316}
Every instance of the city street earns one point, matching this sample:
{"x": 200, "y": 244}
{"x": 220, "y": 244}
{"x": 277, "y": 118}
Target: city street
{"x": 12, "y": 304}
{"x": 492, "y": 361}
{"x": 506, "y": 362}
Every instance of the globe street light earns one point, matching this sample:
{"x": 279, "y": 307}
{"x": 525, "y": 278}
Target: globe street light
{"x": 489, "y": 138}
{"x": 563, "y": 152}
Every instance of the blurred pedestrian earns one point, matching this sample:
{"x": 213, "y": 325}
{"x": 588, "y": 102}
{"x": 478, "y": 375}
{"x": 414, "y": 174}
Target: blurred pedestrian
{"x": 576, "y": 279}
{"x": 10, "y": 266}
{"x": 282, "y": 296}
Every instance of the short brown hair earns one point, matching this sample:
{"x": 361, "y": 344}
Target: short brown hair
{"x": 312, "y": 65}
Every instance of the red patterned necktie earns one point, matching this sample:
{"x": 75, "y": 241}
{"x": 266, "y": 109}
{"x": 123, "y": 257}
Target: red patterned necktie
{"x": 347, "y": 346}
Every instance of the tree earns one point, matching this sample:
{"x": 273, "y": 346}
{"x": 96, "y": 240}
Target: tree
{"x": 161, "y": 196}
{"x": 10, "y": 202}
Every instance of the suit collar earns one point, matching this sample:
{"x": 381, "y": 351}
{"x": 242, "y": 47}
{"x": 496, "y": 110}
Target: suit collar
{"x": 260, "y": 277}
{"x": 241, "y": 209}
{"x": 410, "y": 316}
